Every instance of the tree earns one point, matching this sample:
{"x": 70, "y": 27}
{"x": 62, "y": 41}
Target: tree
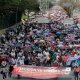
{"x": 31, "y": 5}
{"x": 51, "y": 4}
{"x": 69, "y": 5}
{"x": 12, "y": 8}
{"x": 21, "y": 4}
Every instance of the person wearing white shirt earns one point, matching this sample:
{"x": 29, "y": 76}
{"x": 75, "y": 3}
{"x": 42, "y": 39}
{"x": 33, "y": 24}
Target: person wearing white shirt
{"x": 4, "y": 63}
{"x": 20, "y": 60}
{"x": 13, "y": 54}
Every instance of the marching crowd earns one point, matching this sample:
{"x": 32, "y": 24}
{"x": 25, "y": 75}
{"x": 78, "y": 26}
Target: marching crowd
{"x": 39, "y": 45}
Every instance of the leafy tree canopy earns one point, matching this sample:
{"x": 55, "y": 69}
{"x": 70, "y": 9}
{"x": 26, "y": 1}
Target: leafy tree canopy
{"x": 9, "y": 5}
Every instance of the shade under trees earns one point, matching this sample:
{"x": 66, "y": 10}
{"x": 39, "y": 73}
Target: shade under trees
{"x": 9, "y": 9}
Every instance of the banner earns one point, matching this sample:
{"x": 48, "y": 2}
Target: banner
{"x": 41, "y": 72}
{"x": 71, "y": 59}
{"x": 69, "y": 46}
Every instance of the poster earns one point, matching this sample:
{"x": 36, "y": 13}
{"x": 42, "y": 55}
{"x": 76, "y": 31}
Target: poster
{"x": 40, "y": 72}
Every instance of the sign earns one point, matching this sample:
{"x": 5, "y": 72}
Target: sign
{"x": 71, "y": 59}
{"x": 41, "y": 72}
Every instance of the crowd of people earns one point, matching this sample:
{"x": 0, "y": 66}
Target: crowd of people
{"x": 39, "y": 45}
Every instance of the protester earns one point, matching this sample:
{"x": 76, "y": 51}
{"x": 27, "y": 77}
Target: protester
{"x": 4, "y": 64}
{"x": 39, "y": 45}
{"x": 76, "y": 72}
{"x": 4, "y": 72}
{"x": 10, "y": 70}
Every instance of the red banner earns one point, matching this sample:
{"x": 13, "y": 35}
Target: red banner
{"x": 41, "y": 72}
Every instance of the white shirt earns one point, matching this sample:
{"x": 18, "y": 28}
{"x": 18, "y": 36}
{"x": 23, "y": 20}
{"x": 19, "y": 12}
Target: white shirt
{"x": 4, "y": 63}
{"x": 13, "y": 54}
{"x": 40, "y": 55}
{"x": 20, "y": 60}
{"x": 46, "y": 53}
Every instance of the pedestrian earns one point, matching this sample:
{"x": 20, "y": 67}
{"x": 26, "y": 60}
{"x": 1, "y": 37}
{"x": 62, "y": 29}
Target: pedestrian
{"x": 10, "y": 70}
{"x": 76, "y": 72}
{"x": 4, "y": 64}
{"x": 4, "y": 73}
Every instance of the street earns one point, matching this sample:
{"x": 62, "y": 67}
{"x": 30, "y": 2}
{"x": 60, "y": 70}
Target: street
{"x": 22, "y": 78}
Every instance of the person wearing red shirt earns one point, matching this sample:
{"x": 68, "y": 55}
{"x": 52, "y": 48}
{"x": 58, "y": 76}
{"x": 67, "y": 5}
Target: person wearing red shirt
{"x": 73, "y": 53}
{"x": 76, "y": 72}
{"x": 65, "y": 58}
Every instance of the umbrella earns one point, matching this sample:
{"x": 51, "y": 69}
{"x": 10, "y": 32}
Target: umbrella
{"x": 24, "y": 47}
{"x": 3, "y": 56}
{"x": 35, "y": 48}
{"x": 28, "y": 49}
{"x": 57, "y": 13}
{"x": 34, "y": 30}
{"x": 78, "y": 61}
{"x": 72, "y": 59}
{"x": 16, "y": 45}
{"x": 58, "y": 33}
{"x": 42, "y": 41}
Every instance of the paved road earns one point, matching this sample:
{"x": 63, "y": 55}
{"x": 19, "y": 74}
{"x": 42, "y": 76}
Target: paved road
{"x": 61, "y": 78}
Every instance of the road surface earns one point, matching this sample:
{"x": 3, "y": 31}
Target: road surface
{"x": 70, "y": 77}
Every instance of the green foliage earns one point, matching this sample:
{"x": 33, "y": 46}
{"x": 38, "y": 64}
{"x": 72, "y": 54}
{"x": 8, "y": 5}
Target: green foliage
{"x": 24, "y": 17}
{"x": 30, "y": 5}
{"x": 22, "y": 4}
{"x": 11, "y": 10}
{"x": 14, "y": 6}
